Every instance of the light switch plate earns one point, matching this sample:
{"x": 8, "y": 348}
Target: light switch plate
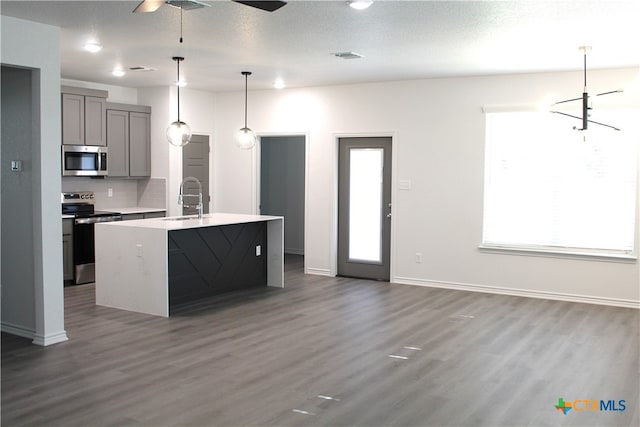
{"x": 16, "y": 165}
{"x": 404, "y": 184}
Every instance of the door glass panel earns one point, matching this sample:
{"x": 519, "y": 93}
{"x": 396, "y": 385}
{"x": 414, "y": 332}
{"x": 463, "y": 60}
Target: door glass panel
{"x": 365, "y": 204}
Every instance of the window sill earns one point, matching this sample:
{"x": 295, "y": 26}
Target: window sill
{"x": 557, "y": 253}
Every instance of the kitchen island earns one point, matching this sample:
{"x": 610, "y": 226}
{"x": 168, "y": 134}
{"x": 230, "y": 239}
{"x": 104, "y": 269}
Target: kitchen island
{"x": 152, "y": 265}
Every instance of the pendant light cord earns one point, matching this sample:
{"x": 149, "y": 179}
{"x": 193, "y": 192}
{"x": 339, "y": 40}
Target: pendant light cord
{"x": 585, "y": 70}
{"x": 180, "y": 22}
{"x": 246, "y": 76}
{"x": 178, "y": 85}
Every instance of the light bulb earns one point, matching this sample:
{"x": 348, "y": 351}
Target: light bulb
{"x": 245, "y": 138}
{"x": 360, "y": 4}
{"x": 179, "y": 133}
{"x": 93, "y": 47}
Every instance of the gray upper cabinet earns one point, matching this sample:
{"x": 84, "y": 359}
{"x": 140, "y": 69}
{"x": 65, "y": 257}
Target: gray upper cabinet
{"x": 118, "y": 142}
{"x": 95, "y": 132}
{"x": 83, "y": 116}
{"x": 72, "y": 119}
{"x": 129, "y": 140}
{"x": 140, "y": 144}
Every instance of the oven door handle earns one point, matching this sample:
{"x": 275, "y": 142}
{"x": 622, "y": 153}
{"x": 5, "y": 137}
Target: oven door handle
{"x": 95, "y": 220}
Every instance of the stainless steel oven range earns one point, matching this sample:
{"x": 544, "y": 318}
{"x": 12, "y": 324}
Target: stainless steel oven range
{"x": 80, "y": 204}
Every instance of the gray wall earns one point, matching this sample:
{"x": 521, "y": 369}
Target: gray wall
{"x": 282, "y": 160}
{"x": 18, "y": 297}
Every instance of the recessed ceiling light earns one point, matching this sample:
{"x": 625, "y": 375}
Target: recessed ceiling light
{"x": 92, "y": 47}
{"x": 118, "y": 72}
{"x": 360, "y": 4}
{"x": 279, "y": 84}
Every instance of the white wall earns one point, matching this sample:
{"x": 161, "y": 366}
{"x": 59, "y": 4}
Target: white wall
{"x": 438, "y": 136}
{"x": 197, "y": 109}
{"x": 36, "y": 46}
{"x": 121, "y": 94}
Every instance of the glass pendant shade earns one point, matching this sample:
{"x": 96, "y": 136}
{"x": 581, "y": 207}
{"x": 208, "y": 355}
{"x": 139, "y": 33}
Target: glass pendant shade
{"x": 246, "y": 138}
{"x": 179, "y": 133}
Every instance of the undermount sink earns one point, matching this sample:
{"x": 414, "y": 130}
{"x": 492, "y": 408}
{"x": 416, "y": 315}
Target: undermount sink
{"x": 180, "y": 218}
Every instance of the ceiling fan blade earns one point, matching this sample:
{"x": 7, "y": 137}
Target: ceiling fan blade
{"x": 148, "y": 6}
{"x": 268, "y": 6}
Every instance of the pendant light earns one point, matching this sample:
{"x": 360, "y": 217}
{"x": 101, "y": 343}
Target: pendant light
{"x": 178, "y": 132}
{"x": 245, "y": 138}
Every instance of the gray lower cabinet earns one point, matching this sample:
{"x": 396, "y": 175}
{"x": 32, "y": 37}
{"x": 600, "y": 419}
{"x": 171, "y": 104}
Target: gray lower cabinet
{"x": 67, "y": 248}
{"x": 146, "y": 215}
{"x": 154, "y": 215}
{"x": 83, "y": 116}
{"x": 129, "y": 140}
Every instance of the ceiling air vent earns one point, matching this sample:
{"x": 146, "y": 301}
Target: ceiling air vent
{"x": 142, "y": 68}
{"x": 348, "y": 55}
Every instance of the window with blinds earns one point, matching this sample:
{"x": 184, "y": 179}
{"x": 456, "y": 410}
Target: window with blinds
{"x": 554, "y": 189}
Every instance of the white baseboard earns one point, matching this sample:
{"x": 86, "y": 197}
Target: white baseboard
{"x": 31, "y": 334}
{"x": 50, "y": 339}
{"x": 17, "y": 330}
{"x": 318, "y": 272}
{"x": 519, "y": 292}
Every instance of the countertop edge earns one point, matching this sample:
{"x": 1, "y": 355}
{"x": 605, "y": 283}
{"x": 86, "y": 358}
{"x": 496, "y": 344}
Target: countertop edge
{"x": 175, "y": 223}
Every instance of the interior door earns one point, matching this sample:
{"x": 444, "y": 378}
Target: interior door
{"x": 364, "y": 207}
{"x": 282, "y": 185}
{"x": 195, "y": 162}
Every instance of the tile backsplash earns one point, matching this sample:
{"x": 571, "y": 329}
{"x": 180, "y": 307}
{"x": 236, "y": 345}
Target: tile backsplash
{"x": 150, "y": 193}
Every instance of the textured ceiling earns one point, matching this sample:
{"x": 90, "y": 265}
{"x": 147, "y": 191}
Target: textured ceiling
{"x": 399, "y": 40}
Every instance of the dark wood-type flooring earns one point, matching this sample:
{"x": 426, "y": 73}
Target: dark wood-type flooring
{"x": 318, "y": 353}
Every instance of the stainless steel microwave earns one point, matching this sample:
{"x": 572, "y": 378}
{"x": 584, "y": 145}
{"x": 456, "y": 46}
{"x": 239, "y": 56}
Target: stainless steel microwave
{"x": 84, "y": 160}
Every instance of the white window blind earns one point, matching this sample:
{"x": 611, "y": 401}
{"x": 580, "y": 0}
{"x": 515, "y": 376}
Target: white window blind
{"x": 553, "y": 188}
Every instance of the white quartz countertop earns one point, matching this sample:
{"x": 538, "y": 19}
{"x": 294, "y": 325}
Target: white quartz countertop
{"x": 191, "y": 221}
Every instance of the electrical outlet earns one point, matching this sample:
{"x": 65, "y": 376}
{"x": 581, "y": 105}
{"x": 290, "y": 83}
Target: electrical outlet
{"x": 109, "y": 192}
{"x": 418, "y": 257}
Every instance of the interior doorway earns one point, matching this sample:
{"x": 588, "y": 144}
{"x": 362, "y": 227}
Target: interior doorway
{"x": 364, "y": 207}
{"x": 282, "y": 186}
{"x": 195, "y": 162}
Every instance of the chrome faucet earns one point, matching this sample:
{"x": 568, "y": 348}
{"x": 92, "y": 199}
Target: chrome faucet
{"x": 182, "y": 196}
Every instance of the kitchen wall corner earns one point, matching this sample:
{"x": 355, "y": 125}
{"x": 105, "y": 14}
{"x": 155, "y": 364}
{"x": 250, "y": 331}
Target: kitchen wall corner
{"x": 152, "y": 193}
